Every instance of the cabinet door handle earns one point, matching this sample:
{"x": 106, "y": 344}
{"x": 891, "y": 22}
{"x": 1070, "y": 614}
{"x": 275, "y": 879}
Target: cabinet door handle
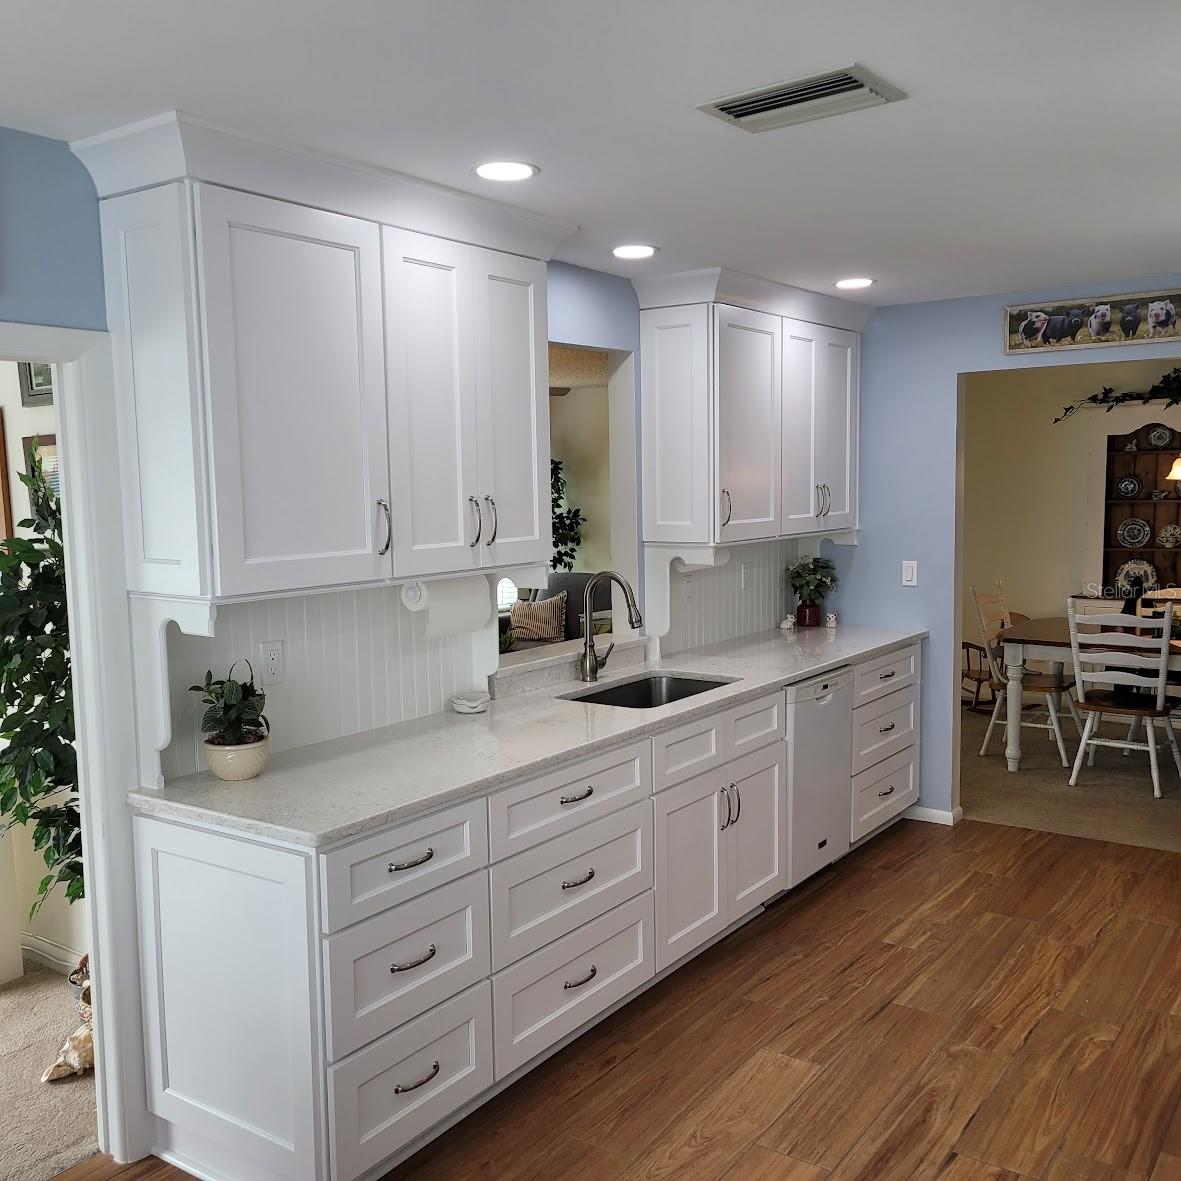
{"x": 479, "y": 522}
{"x": 738, "y": 796}
{"x": 431, "y": 952}
{"x": 398, "y": 866}
{"x": 384, "y": 505}
{"x": 887, "y": 728}
{"x": 886, "y": 676}
{"x": 582, "y": 881}
{"x": 827, "y": 499}
{"x": 729, "y": 507}
{"x": 888, "y": 792}
{"x": 577, "y": 798}
{"x": 819, "y": 502}
{"x": 495, "y": 520}
{"x": 585, "y": 980}
{"x": 399, "y": 1089}
{"x": 725, "y": 794}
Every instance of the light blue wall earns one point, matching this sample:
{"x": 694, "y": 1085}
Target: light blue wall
{"x": 912, "y": 356}
{"x": 50, "y": 254}
{"x": 592, "y": 309}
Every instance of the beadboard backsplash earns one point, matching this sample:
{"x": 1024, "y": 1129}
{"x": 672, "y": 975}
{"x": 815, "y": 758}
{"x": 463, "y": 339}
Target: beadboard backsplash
{"x": 354, "y": 661}
{"x": 711, "y": 604}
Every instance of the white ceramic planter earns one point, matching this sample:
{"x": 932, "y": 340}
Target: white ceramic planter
{"x": 235, "y": 763}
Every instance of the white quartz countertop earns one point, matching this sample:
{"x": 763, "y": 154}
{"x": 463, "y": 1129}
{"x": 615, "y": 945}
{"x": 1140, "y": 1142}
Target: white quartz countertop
{"x": 327, "y": 792}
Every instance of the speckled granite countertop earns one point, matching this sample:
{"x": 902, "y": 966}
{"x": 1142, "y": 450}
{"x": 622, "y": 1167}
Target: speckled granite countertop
{"x": 316, "y": 795}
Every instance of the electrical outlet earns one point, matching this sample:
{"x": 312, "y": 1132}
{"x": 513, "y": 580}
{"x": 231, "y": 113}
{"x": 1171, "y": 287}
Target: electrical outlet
{"x": 270, "y": 659}
{"x": 745, "y": 574}
{"x": 910, "y": 573}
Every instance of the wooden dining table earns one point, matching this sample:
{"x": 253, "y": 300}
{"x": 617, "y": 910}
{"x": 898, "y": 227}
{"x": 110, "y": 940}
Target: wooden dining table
{"x": 1045, "y": 639}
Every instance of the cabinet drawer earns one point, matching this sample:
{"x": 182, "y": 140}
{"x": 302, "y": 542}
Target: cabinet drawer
{"x": 885, "y": 727}
{"x": 884, "y": 674}
{"x": 885, "y": 790}
{"x": 688, "y": 750}
{"x": 755, "y": 724}
{"x": 555, "y": 990}
{"x": 544, "y": 893}
{"x": 400, "y": 863}
{"x": 396, "y": 965}
{"x": 394, "y": 1090}
{"x": 552, "y": 804}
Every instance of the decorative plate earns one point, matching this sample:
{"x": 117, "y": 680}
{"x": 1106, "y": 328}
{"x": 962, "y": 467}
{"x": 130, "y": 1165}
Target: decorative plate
{"x": 1169, "y": 536}
{"x": 1160, "y": 436}
{"x": 1137, "y": 570}
{"x": 1134, "y": 533}
{"x": 1128, "y": 487}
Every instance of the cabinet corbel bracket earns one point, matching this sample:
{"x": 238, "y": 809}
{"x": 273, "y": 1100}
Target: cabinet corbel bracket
{"x": 150, "y": 617}
{"x": 659, "y": 563}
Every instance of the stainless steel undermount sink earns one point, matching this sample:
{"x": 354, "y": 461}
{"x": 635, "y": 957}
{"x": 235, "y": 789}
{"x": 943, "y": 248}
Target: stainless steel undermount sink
{"x": 649, "y": 690}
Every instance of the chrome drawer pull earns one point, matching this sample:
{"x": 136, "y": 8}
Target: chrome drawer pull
{"x": 725, "y": 792}
{"x": 585, "y": 980}
{"x": 430, "y": 955}
{"x": 495, "y": 519}
{"x": 475, "y": 541}
{"x": 384, "y": 505}
{"x": 590, "y": 873}
{"x": 888, "y": 792}
{"x": 729, "y": 507}
{"x": 738, "y": 797}
{"x": 577, "y": 799}
{"x": 422, "y": 1082}
{"x": 398, "y": 866}
{"x": 886, "y": 676}
{"x": 886, "y": 729}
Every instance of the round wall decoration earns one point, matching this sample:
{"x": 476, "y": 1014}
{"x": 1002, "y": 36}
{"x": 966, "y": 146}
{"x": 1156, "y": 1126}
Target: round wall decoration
{"x": 1160, "y": 436}
{"x": 1136, "y": 571}
{"x": 1128, "y": 487}
{"x": 1134, "y": 533}
{"x": 1169, "y": 536}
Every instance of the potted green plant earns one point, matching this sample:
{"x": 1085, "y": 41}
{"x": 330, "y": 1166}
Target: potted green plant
{"x": 811, "y": 579}
{"x": 567, "y": 520}
{"x": 237, "y": 742}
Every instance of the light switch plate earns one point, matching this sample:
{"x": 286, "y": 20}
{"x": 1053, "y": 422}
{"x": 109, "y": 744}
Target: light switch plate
{"x": 910, "y": 573}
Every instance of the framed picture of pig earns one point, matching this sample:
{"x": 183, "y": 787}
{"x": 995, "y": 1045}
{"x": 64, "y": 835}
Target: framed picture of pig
{"x": 1141, "y": 318}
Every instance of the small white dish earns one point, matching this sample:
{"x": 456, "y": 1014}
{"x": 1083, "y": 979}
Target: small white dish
{"x": 470, "y": 703}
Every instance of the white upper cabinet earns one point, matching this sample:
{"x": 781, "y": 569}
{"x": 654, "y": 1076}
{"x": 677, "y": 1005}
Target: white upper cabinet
{"x": 469, "y": 406}
{"x": 820, "y": 402}
{"x": 676, "y": 417}
{"x": 749, "y": 425}
{"x": 837, "y": 403}
{"x": 313, "y": 400}
{"x": 296, "y": 393}
{"x": 748, "y": 358}
{"x": 430, "y": 361}
{"x": 512, "y": 408}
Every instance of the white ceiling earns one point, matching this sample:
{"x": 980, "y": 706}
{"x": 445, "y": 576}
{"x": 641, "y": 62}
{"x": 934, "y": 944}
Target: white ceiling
{"x": 1038, "y": 147}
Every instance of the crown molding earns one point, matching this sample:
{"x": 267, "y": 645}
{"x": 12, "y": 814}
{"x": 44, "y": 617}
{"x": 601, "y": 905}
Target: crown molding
{"x": 725, "y": 285}
{"x": 175, "y": 146}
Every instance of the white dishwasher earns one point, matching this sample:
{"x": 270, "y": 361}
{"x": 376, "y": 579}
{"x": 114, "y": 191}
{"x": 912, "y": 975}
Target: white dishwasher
{"x": 819, "y": 755}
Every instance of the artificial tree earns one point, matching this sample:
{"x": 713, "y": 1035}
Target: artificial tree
{"x": 567, "y": 521}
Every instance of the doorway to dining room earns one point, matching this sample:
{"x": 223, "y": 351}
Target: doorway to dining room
{"x": 1046, "y": 514}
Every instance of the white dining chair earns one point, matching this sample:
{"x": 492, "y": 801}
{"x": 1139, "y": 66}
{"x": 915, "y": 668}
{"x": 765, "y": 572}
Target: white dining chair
{"x": 992, "y": 615}
{"x": 1132, "y": 652}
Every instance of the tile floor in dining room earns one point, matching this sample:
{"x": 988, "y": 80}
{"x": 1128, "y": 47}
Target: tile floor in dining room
{"x": 970, "y": 1003}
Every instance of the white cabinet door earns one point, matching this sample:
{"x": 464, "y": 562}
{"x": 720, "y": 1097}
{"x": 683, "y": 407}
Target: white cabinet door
{"x": 296, "y": 393}
{"x": 747, "y": 393}
{"x": 512, "y": 408}
{"x": 676, "y": 424}
{"x": 836, "y": 427}
{"x": 432, "y": 405}
{"x": 802, "y": 498}
{"x": 756, "y": 859}
{"x": 690, "y": 873}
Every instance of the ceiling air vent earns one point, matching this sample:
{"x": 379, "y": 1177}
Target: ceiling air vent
{"x": 817, "y": 97}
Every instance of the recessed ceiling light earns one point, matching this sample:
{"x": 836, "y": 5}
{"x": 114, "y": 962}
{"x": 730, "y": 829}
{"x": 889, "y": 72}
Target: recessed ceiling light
{"x": 506, "y": 170}
{"x": 635, "y": 250}
{"x": 854, "y": 284}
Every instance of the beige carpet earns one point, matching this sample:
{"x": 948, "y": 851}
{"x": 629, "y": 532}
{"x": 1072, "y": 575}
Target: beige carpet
{"x": 1112, "y": 802}
{"x": 44, "y": 1127}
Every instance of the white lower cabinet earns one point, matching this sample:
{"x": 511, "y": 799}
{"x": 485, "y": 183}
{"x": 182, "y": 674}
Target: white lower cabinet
{"x": 552, "y": 992}
{"x": 720, "y": 849}
{"x": 395, "y": 1089}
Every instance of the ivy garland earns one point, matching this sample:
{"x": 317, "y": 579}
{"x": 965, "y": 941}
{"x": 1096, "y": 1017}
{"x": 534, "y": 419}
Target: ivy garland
{"x": 1167, "y": 390}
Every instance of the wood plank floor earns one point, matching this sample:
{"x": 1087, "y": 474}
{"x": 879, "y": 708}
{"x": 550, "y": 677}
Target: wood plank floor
{"x": 971, "y": 1004}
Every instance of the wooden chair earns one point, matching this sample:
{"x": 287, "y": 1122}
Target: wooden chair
{"x": 992, "y": 614}
{"x": 1117, "y": 649}
{"x": 974, "y": 674}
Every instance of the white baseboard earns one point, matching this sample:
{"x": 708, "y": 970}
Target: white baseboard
{"x": 934, "y": 815}
{"x": 51, "y": 955}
